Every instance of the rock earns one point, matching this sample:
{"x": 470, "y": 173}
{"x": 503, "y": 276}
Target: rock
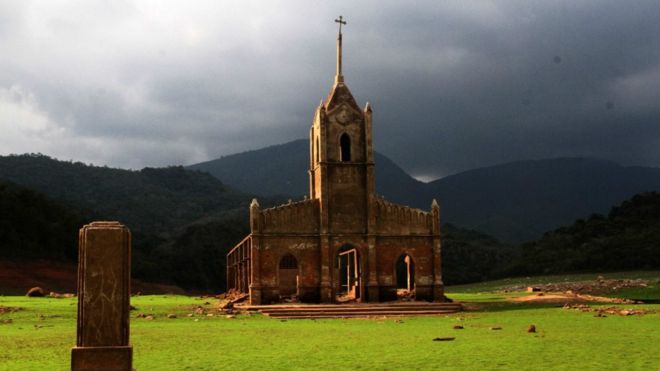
{"x": 533, "y": 289}
{"x": 171, "y": 316}
{"x": 36, "y": 292}
{"x": 531, "y": 328}
{"x": 496, "y": 328}
{"x": 140, "y": 315}
{"x": 149, "y": 318}
{"x": 210, "y": 315}
{"x": 230, "y": 316}
{"x": 189, "y": 315}
{"x": 458, "y": 327}
{"x": 444, "y": 339}
{"x": 196, "y": 320}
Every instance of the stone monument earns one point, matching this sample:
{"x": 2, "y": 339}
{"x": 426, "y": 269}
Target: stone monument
{"x": 104, "y": 265}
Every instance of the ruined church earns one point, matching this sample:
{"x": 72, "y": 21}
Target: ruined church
{"x": 343, "y": 242}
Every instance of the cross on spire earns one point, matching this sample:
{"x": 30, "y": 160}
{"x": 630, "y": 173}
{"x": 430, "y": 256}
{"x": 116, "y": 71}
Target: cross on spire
{"x": 339, "y": 78}
{"x": 341, "y": 21}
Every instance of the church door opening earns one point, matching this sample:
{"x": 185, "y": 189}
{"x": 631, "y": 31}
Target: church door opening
{"x": 405, "y": 276}
{"x": 348, "y": 272}
{"x": 288, "y": 274}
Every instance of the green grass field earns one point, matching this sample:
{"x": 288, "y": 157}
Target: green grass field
{"x": 40, "y": 336}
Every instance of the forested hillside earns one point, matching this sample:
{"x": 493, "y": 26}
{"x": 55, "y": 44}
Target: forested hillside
{"x": 34, "y": 226}
{"x": 628, "y": 237}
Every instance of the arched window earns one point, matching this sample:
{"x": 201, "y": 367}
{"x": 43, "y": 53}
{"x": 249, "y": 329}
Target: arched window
{"x": 288, "y": 262}
{"x": 345, "y": 146}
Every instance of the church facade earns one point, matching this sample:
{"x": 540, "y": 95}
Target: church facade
{"x": 343, "y": 241}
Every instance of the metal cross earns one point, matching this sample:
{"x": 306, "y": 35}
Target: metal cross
{"x": 341, "y": 21}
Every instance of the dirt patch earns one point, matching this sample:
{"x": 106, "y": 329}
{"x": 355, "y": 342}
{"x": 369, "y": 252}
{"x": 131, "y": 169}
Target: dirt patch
{"x": 17, "y": 277}
{"x": 9, "y": 309}
{"x": 569, "y": 297}
{"x": 598, "y": 286}
{"x": 603, "y": 312}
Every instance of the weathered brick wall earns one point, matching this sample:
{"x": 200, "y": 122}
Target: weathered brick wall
{"x": 389, "y": 249}
{"x": 393, "y": 219}
{"x": 306, "y": 251}
{"x": 300, "y": 217}
{"x": 347, "y": 199}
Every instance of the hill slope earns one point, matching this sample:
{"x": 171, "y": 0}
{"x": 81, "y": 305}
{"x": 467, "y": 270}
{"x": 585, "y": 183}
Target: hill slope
{"x": 628, "y": 238}
{"x": 153, "y": 200}
{"x": 282, "y": 170}
{"x": 514, "y": 202}
{"x": 519, "y": 201}
{"x": 32, "y": 225}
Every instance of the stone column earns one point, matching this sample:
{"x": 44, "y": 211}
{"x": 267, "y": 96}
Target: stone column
{"x": 327, "y": 295}
{"x": 104, "y": 274}
{"x": 372, "y": 284}
{"x": 438, "y": 285}
{"x": 255, "y": 246}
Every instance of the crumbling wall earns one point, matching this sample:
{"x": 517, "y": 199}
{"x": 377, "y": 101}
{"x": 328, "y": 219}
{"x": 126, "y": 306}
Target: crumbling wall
{"x": 300, "y": 217}
{"x": 393, "y": 219}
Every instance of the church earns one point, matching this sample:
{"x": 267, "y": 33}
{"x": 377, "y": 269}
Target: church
{"x": 343, "y": 242}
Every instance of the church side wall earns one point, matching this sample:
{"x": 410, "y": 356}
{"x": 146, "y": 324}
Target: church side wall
{"x": 306, "y": 251}
{"x": 420, "y": 249}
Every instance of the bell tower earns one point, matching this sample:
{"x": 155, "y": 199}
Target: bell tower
{"x": 341, "y": 174}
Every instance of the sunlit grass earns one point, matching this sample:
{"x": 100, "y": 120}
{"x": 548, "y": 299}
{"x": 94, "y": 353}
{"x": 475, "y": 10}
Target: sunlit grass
{"x": 41, "y": 335}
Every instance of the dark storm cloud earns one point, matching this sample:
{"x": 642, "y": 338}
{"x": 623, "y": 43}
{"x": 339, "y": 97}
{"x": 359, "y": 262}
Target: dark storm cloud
{"x": 454, "y": 85}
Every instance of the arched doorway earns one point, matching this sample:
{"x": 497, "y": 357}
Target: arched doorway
{"x": 405, "y": 276}
{"x": 288, "y": 274}
{"x": 347, "y": 271}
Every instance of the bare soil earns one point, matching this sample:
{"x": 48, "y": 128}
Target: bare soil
{"x": 17, "y": 277}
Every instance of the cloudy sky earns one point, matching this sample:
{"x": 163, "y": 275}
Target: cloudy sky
{"x": 453, "y": 85}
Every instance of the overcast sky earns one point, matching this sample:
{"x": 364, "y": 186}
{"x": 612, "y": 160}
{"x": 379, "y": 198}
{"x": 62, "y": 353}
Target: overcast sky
{"x": 453, "y": 85}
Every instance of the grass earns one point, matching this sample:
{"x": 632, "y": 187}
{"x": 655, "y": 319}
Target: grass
{"x": 42, "y": 334}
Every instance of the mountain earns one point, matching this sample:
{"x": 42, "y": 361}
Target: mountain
{"x": 627, "y": 238}
{"x": 282, "y": 170}
{"x": 521, "y": 200}
{"x": 154, "y": 200}
{"x": 32, "y": 225}
{"x": 165, "y": 210}
{"x": 513, "y": 202}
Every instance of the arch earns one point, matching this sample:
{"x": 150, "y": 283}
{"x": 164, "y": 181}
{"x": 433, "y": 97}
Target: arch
{"x": 345, "y": 148}
{"x": 404, "y": 270}
{"x": 288, "y": 275}
{"x": 348, "y": 274}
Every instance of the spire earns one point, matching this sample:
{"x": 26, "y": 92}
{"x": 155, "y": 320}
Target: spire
{"x": 339, "y": 77}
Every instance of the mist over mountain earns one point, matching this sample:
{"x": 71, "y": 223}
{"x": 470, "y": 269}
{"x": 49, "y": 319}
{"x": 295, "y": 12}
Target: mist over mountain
{"x": 514, "y": 202}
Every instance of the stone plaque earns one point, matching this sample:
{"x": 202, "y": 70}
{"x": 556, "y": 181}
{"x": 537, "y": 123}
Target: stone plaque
{"x": 103, "y": 298}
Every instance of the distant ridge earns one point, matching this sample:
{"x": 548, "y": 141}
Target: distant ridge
{"x": 282, "y": 170}
{"x": 514, "y": 202}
